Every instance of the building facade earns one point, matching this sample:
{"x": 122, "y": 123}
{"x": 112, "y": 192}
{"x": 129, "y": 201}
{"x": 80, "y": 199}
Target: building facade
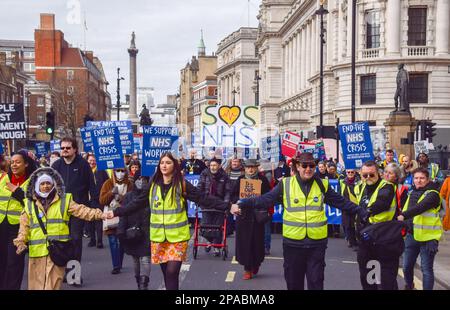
{"x": 76, "y": 78}
{"x": 413, "y": 32}
{"x": 24, "y": 51}
{"x": 237, "y": 67}
{"x": 204, "y": 93}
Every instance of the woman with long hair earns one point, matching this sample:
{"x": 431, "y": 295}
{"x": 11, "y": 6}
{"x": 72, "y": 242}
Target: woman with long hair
{"x": 13, "y": 186}
{"x": 168, "y": 193}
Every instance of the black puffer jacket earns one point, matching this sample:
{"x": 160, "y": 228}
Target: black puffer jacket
{"x": 217, "y": 185}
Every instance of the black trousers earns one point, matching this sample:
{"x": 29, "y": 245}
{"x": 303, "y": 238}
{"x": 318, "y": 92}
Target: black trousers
{"x": 388, "y": 262}
{"x": 76, "y": 233}
{"x": 11, "y": 265}
{"x": 301, "y": 262}
{"x": 95, "y": 229}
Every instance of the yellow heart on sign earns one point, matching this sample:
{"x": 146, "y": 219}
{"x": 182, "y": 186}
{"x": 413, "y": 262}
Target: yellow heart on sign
{"x": 229, "y": 114}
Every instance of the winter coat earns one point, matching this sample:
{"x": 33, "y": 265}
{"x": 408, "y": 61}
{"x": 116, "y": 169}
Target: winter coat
{"x": 141, "y": 218}
{"x": 249, "y": 233}
{"x": 100, "y": 177}
{"x": 42, "y": 272}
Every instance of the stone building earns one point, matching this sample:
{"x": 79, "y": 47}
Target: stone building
{"x": 203, "y": 94}
{"x": 413, "y": 32}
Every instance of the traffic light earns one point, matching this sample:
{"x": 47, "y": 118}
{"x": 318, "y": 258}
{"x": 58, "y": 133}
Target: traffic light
{"x": 430, "y": 130}
{"x": 50, "y": 123}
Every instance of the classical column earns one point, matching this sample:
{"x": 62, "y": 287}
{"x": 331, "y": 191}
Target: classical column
{"x": 133, "y": 51}
{"x": 313, "y": 45}
{"x": 294, "y": 67}
{"x": 341, "y": 39}
{"x": 329, "y": 38}
{"x": 291, "y": 67}
{"x": 304, "y": 57}
{"x": 392, "y": 28}
{"x": 298, "y": 61}
{"x": 288, "y": 68}
{"x": 308, "y": 51}
{"x": 285, "y": 68}
{"x": 442, "y": 26}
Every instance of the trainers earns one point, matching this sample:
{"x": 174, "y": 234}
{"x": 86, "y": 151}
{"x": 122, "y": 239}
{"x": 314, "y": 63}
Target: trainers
{"x": 208, "y": 249}
{"x": 247, "y": 275}
{"x": 216, "y": 252}
{"x": 115, "y": 271}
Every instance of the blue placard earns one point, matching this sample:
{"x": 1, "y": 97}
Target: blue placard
{"x": 356, "y": 144}
{"x": 334, "y": 215}
{"x": 270, "y": 148}
{"x": 1, "y": 148}
{"x": 126, "y": 132}
{"x": 156, "y": 141}
{"x": 192, "y": 206}
{"x": 87, "y": 139}
{"x": 137, "y": 144}
{"x": 41, "y": 149}
{"x": 55, "y": 146}
{"x": 107, "y": 148}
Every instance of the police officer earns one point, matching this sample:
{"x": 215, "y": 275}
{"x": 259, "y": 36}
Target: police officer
{"x": 421, "y": 212}
{"x": 377, "y": 196}
{"x": 304, "y": 221}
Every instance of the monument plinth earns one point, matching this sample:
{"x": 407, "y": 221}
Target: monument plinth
{"x": 398, "y": 125}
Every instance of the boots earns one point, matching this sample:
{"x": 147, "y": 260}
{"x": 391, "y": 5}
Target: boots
{"x": 143, "y": 283}
{"x": 138, "y": 281}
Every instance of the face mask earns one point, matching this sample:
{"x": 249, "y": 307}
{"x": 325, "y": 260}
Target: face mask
{"x": 119, "y": 175}
{"x": 45, "y": 195}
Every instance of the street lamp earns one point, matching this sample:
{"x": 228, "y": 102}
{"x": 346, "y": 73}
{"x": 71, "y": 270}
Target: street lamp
{"x": 321, "y": 12}
{"x": 28, "y": 94}
{"x": 234, "y": 92}
{"x": 119, "y": 78}
{"x": 257, "y": 79}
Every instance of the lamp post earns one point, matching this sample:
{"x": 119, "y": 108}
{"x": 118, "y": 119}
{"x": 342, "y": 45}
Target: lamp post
{"x": 257, "y": 79}
{"x": 353, "y": 98}
{"x": 119, "y": 78}
{"x": 321, "y": 12}
{"x": 28, "y": 94}
{"x": 234, "y": 92}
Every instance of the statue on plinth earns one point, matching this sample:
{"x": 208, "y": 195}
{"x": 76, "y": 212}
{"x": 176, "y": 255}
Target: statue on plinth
{"x": 401, "y": 94}
{"x": 145, "y": 117}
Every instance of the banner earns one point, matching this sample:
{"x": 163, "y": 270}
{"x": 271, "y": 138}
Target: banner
{"x": 156, "y": 141}
{"x": 1, "y": 148}
{"x": 41, "y": 149}
{"x": 107, "y": 148}
{"x": 356, "y": 144}
{"x": 319, "y": 152}
{"x": 86, "y": 136}
{"x": 290, "y": 143}
{"x": 12, "y": 121}
{"x": 125, "y": 129}
{"x": 270, "y": 148}
{"x": 55, "y": 146}
{"x": 235, "y": 126}
{"x": 192, "y": 206}
{"x": 420, "y": 147}
{"x": 249, "y": 188}
{"x": 307, "y": 147}
{"x": 334, "y": 215}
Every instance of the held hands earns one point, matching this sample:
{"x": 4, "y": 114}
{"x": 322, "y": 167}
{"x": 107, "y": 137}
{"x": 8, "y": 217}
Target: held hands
{"x": 235, "y": 210}
{"x": 20, "y": 248}
{"x": 107, "y": 215}
{"x": 401, "y": 218}
{"x": 11, "y": 187}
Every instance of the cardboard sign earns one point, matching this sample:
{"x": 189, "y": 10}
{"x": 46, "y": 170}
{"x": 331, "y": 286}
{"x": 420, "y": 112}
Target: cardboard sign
{"x": 421, "y": 147}
{"x": 249, "y": 188}
{"x": 12, "y": 121}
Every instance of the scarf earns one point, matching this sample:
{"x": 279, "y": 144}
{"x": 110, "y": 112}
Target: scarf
{"x": 18, "y": 180}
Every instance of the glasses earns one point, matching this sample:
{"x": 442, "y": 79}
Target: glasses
{"x": 120, "y": 170}
{"x": 66, "y": 147}
{"x": 350, "y": 172}
{"x": 370, "y": 175}
{"x": 311, "y": 166}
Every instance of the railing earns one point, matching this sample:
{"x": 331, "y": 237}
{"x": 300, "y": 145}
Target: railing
{"x": 370, "y": 53}
{"x": 418, "y": 51}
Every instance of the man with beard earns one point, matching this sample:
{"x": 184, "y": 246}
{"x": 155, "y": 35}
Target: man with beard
{"x": 193, "y": 165}
{"x": 436, "y": 175}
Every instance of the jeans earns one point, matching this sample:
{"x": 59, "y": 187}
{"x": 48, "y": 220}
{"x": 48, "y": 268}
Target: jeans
{"x": 267, "y": 234}
{"x": 142, "y": 266}
{"x": 116, "y": 251}
{"x": 412, "y": 249}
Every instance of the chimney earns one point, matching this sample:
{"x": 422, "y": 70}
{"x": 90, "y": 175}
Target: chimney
{"x": 2, "y": 59}
{"x": 16, "y": 61}
{"x": 47, "y": 21}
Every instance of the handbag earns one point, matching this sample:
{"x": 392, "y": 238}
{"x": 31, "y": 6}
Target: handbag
{"x": 262, "y": 216}
{"x": 61, "y": 252}
{"x": 385, "y": 235}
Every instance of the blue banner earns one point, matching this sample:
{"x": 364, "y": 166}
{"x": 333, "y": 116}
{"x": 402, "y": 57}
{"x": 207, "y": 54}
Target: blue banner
{"x": 156, "y": 141}
{"x": 41, "y": 149}
{"x": 334, "y": 215}
{"x": 87, "y": 139}
{"x": 192, "y": 206}
{"x": 270, "y": 148}
{"x": 55, "y": 146}
{"x": 356, "y": 144}
{"x": 107, "y": 148}
{"x": 137, "y": 144}
{"x": 126, "y": 132}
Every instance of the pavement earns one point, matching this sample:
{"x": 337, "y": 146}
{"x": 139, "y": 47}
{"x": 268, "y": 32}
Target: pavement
{"x": 442, "y": 262}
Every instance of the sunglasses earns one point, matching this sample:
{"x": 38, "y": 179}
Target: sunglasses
{"x": 66, "y": 147}
{"x": 311, "y": 166}
{"x": 370, "y": 175}
{"x": 120, "y": 170}
{"x": 350, "y": 172}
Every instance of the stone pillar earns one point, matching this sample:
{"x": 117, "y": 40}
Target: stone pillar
{"x": 285, "y": 70}
{"x": 392, "y": 27}
{"x": 397, "y": 126}
{"x": 288, "y": 69}
{"x": 303, "y": 57}
{"x": 314, "y": 35}
{"x": 442, "y": 26}
{"x": 133, "y": 51}
{"x": 294, "y": 67}
{"x": 341, "y": 38}
{"x": 298, "y": 61}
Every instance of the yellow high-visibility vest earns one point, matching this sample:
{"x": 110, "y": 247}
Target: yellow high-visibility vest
{"x": 383, "y": 216}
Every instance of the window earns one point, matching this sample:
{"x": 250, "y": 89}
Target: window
{"x": 70, "y": 75}
{"x": 29, "y": 67}
{"x": 28, "y": 55}
{"x": 372, "y": 29}
{"x": 40, "y": 118}
{"x": 417, "y": 26}
{"x": 418, "y": 88}
{"x": 40, "y": 102}
{"x": 70, "y": 90}
{"x": 368, "y": 89}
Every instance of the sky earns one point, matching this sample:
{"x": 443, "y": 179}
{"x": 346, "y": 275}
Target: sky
{"x": 167, "y": 32}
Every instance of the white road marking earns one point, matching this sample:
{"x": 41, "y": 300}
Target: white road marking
{"x": 230, "y": 276}
{"x": 234, "y": 261}
{"x": 349, "y": 262}
{"x": 273, "y": 257}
